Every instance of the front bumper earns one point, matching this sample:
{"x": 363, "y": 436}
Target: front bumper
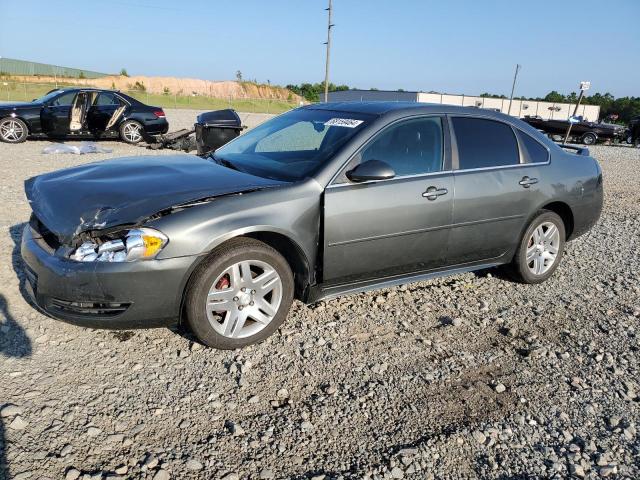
{"x": 123, "y": 295}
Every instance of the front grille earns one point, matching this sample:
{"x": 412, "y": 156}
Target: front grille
{"x": 49, "y": 238}
{"x": 98, "y": 309}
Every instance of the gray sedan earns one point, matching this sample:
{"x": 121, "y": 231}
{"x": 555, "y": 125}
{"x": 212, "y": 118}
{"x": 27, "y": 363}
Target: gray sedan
{"x": 324, "y": 200}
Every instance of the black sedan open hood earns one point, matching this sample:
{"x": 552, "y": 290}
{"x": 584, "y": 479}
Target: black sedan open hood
{"x": 126, "y": 191}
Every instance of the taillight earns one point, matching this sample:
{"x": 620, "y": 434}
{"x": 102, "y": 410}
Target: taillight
{"x": 159, "y": 114}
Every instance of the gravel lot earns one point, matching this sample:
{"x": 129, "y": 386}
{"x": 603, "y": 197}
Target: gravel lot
{"x": 463, "y": 377}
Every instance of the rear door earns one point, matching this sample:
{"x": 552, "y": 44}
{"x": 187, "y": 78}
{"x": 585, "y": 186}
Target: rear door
{"x": 497, "y": 187}
{"x": 101, "y": 111}
{"x": 56, "y": 114}
{"x": 383, "y": 228}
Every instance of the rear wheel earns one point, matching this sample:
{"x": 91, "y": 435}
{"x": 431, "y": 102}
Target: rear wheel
{"x": 540, "y": 249}
{"x": 589, "y": 138}
{"x": 132, "y": 132}
{"x": 240, "y": 295}
{"x": 13, "y": 130}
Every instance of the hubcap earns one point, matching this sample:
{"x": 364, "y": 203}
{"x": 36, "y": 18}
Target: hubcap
{"x": 542, "y": 248}
{"x": 132, "y": 132}
{"x": 11, "y": 130}
{"x": 244, "y": 299}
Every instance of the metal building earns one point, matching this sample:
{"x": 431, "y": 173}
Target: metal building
{"x": 519, "y": 108}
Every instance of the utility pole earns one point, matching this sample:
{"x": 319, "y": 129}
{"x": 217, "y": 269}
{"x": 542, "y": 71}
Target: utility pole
{"x": 584, "y": 86}
{"x": 513, "y": 87}
{"x": 328, "y": 44}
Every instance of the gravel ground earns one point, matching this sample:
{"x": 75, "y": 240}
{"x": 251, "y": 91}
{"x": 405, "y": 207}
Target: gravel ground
{"x": 462, "y": 377}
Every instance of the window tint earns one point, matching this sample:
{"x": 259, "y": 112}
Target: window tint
{"x": 65, "y": 99}
{"x": 106, "y": 98}
{"x": 410, "y": 148}
{"x": 534, "y": 152}
{"x": 484, "y": 143}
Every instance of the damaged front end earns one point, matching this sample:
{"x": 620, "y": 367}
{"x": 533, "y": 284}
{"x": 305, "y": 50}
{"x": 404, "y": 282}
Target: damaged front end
{"x": 125, "y": 246}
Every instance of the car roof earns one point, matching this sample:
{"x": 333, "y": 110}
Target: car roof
{"x": 382, "y": 108}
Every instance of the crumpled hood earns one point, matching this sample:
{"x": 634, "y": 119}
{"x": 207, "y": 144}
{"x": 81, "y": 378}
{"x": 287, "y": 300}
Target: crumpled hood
{"x": 127, "y": 190}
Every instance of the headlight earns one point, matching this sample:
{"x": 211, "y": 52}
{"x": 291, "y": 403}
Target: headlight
{"x": 136, "y": 244}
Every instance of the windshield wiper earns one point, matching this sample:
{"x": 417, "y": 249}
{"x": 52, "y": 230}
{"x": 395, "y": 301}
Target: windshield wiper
{"x": 224, "y": 162}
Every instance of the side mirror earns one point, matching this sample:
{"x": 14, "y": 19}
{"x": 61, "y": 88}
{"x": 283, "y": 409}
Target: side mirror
{"x": 371, "y": 170}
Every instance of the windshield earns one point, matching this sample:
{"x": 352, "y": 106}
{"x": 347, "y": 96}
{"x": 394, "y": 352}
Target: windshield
{"x": 48, "y": 96}
{"x": 292, "y": 146}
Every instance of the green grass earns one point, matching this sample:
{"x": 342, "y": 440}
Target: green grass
{"x": 25, "y": 92}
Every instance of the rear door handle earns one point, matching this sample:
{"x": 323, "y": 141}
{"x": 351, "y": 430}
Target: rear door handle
{"x": 433, "y": 192}
{"x": 526, "y": 182}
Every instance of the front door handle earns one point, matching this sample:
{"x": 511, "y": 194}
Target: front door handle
{"x": 526, "y": 182}
{"x": 433, "y": 192}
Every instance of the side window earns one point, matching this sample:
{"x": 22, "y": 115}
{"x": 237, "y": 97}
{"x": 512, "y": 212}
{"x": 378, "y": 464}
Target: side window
{"x": 534, "y": 152}
{"x": 106, "y": 98}
{"x": 410, "y": 148}
{"x": 66, "y": 99}
{"x": 484, "y": 143}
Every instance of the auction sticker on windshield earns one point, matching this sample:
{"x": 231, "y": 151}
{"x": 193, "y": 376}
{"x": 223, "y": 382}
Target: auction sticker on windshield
{"x": 343, "y": 122}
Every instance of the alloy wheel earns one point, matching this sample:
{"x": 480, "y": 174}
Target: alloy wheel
{"x": 244, "y": 299}
{"x": 11, "y": 130}
{"x": 542, "y": 248}
{"x": 132, "y": 132}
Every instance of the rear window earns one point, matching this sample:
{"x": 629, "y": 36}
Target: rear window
{"x": 533, "y": 151}
{"x": 484, "y": 143}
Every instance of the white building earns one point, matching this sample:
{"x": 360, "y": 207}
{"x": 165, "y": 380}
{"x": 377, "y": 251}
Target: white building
{"x": 519, "y": 108}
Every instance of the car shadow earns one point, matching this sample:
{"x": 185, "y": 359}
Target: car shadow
{"x": 14, "y": 341}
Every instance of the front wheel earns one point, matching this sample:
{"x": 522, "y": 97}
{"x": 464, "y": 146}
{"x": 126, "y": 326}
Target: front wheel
{"x": 13, "y": 130}
{"x": 540, "y": 249}
{"x": 239, "y": 295}
{"x": 131, "y": 132}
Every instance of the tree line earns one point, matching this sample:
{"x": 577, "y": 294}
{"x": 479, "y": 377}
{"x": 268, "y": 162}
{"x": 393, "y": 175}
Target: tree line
{"x": 621, "y": 109}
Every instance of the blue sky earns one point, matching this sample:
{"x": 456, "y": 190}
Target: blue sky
{"x": 453, "y": 46}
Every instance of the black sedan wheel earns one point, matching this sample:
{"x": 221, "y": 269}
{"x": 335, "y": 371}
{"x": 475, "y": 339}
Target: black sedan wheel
{"x": 240, "y": 295}
{"x": 540, "y": 249}
{"x": 13, "y": 130}
{"x": 131, "y": 132}
{"x": 589, "y": 138}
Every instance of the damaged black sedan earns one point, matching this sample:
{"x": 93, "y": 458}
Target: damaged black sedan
{"x": 81, "y": 113}
{"x": 321, "y": 201}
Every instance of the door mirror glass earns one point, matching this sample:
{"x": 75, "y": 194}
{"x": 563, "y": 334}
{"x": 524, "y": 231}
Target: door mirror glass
{"x": 371, "y": 170}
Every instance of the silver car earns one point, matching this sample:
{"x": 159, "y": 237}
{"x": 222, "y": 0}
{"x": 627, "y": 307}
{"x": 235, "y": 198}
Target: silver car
{"x": 321, "y": 201}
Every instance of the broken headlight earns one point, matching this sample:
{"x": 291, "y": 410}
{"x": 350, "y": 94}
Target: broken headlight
{"x": 136, "y": 244}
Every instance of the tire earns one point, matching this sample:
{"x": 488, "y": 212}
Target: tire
{"x": 243, "y": 317}
{"x": 589, "y": 138}
{"x": 525, "y": 271}
{"x": 13, "y": 130}
{"x": 131, "y": 132}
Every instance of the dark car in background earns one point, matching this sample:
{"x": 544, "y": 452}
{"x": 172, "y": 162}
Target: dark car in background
{"x": 582, "y": 131}
{"x": 81, "y": 113}
{"x": 321, "y": 201}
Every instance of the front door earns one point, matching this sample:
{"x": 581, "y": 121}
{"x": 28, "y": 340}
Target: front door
{"x": 55, "y": 116}
{"x": 383, "y": 228}
{"x": 497, "y": 189}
